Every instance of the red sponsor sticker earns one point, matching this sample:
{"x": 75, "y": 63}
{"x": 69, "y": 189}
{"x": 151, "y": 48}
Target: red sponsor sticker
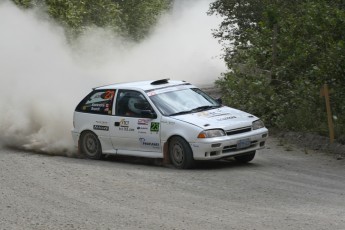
{"x": 143, "y": 121}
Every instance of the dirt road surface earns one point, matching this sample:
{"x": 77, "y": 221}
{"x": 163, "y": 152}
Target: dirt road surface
{"x": 280, "y": 189}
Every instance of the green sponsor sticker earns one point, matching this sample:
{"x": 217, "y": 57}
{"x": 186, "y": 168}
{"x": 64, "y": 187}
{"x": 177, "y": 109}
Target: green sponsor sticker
{"x": 154, "y": 127}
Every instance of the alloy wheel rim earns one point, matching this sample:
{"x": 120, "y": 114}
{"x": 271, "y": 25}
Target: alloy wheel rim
{"x": 178, "y": 154}
{"x": 91, "y": 145}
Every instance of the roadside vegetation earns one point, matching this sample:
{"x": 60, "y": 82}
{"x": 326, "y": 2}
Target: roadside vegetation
{"x": 279, "y": 54}
{"x": 129, "y": 18}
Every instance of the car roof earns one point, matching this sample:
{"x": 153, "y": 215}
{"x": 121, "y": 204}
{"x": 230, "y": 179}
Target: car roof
{"x": 144, "y": 85}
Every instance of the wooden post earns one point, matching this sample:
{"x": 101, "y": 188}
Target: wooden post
{"x": 325, "y": 93}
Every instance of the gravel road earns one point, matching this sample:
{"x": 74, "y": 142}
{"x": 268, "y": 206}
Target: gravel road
{"x": 280, "y": 189}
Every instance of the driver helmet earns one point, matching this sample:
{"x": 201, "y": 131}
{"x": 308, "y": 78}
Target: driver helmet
{"x": 131, "y": 105}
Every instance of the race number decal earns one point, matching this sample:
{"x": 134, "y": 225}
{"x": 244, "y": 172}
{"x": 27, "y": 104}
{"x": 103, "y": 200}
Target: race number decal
{"x": 154, "y": 127}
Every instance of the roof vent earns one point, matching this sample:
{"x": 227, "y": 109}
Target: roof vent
{"x": 160, "y": 82}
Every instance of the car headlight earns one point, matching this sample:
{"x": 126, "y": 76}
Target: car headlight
{"x": 258, "y": 124}
{"x": 211, "y": 133}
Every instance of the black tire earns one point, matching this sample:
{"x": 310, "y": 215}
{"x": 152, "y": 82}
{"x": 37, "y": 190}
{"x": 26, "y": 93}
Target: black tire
{"x": 246, "y": 158}
{"x": 181, "y": 154}
{"x": 90, "y": 146}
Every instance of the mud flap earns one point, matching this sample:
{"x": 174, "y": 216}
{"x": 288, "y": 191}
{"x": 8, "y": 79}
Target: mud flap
{"x": 166, "y": 157}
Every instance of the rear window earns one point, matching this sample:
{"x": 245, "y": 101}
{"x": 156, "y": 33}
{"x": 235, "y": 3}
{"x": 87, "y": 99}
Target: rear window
{"x": 98, "y": 102}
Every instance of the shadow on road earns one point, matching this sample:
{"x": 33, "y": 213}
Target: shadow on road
{"x": 200, "y": 165}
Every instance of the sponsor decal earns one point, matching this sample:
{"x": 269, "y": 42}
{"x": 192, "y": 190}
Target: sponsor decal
{"x": 143, "y": 121}
{"x": 152, "y": 93}
{"x": 124, "y": 123}
{"x": 97, "y": 105}
{"x": 226, "y": 118}
{"x": 144, "y": 142}
{"x": 168, "y": 122}
{"x": 126, "y": 129}
{"x": 154, "y": 127}
{"x": 102, "y": 122}
{"x": 170, "y": 89}
{"x": 142, "y": 128}
{"x": 216, "y": 114}
{"x": 101, "y": 127}
{"x": 95, "y": 109}
{"x": 108, "y": 95}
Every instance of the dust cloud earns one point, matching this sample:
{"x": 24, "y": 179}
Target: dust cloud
{"x": 43, "y": 77}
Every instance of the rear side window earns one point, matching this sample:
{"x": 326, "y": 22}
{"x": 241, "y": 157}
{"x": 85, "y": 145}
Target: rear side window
{"x": 98, "y": 102}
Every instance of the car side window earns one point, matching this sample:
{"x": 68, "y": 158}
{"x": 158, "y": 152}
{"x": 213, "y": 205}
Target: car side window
{"x": 98, "y": 102}
{"x": 130, "y": 103}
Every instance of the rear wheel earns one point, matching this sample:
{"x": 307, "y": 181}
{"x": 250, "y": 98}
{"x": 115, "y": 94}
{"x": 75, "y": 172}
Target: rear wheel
{"x": 90, "y": 145}
{"x": 181, "y": 154}
{"x": 246, "y": 158}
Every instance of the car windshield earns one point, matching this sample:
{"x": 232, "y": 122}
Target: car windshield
{"x": 183, "y": 101}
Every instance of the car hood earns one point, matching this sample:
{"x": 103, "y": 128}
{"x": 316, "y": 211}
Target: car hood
{"x": 224, "y": 118}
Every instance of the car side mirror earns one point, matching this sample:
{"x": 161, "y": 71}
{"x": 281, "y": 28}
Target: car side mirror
{"x": 148, "y": 114}
{"x": 219, "y": 100}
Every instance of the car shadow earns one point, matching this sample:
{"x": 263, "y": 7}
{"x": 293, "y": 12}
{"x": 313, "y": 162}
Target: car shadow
{"x": 200, "y": 165}
{"x": 222, "y": 164}
{"x": 152, "y": 162}
{"x": 133, "y": 160}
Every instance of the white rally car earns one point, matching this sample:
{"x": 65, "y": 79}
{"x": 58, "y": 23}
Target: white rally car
{"x": 164, "y": 119}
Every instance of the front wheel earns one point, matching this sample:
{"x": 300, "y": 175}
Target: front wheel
{"x": 181, "y": 154}
{"x": 246, "y": 158}
{"x": 90, "y": 145}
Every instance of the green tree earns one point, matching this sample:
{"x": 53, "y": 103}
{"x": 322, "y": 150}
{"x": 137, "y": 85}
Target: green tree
{"x": 296, "y": 45}
{"x": 23, "y": 3}
{"x": 140, "y": 15}
{"x": 132, "y": 18}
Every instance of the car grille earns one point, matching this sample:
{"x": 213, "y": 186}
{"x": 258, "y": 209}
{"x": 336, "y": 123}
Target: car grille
{"x": 239, "y": 130}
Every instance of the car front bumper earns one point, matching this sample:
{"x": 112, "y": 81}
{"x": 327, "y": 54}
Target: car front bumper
{"x": 229, "y": 146}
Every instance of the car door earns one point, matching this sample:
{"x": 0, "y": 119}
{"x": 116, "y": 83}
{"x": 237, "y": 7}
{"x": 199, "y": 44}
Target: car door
{"x": 135, "y": 127}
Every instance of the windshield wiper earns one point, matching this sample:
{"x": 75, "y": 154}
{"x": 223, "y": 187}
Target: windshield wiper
{"x": 197, "y": 109}
{"x": 181, "y": 113}
{"x": 205, "y": 107}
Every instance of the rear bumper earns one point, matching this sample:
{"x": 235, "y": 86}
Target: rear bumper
{"x": 228, "y": 146}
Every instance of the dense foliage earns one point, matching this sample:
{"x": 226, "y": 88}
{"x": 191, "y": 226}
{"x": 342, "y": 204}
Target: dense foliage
{"x": 130, "y": 18}
{"x": 279, "y": 55}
